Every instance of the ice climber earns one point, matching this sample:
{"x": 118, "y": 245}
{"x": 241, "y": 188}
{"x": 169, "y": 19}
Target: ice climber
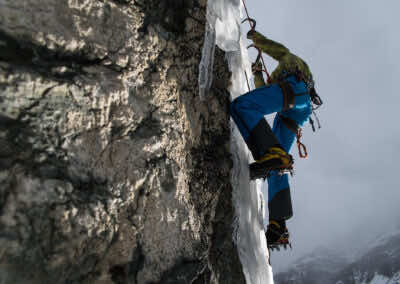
{"x": 289, "y": 93}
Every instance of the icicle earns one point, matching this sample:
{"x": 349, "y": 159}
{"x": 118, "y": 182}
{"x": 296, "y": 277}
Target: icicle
{"x": 207, "y": 61}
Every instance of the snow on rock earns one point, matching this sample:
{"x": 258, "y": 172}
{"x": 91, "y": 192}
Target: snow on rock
{"x": 224, "y": 30}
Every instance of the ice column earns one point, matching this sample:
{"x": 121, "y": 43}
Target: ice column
{"x": 223, "y": 29}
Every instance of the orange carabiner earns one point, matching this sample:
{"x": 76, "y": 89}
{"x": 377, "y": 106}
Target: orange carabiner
{"x": 301, "y": 147}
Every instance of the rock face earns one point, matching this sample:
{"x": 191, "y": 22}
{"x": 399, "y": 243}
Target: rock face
{"x": 111, "y": 168}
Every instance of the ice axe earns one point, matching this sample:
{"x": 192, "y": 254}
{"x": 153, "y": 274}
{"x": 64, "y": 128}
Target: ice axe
{"x": 259, "y": 56}
{"x": 252, "y": 22}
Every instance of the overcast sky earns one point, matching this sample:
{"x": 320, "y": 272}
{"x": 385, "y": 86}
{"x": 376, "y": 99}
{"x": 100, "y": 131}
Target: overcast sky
{"x": 348, "y": 190}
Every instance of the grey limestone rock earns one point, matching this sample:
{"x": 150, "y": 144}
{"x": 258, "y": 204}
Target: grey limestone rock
{"x": 111, "y": 168}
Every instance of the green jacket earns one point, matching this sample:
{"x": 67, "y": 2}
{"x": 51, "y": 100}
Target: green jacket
{"x": 288, "y": 62}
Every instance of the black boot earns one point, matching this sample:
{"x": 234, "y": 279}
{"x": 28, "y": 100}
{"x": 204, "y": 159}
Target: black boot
{"x": 277, "y": 234}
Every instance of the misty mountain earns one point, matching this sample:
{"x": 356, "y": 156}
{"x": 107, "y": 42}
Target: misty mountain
{"x": 377, "y": 263}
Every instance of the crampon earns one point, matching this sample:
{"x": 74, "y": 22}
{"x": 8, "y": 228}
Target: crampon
{"x": 283, "y": 242}
{"x": 263, "y": 170}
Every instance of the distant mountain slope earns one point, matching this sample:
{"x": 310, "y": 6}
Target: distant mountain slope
{"x": 379, "y": 264}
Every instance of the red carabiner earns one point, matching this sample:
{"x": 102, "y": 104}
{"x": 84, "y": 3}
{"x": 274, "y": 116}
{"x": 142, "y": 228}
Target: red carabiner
{"x": 300, "y": 146}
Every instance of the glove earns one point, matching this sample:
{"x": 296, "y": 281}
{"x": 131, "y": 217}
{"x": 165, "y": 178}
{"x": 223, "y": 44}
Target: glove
{"x": 256, "y": 67}
{"x": 250, "y": 34}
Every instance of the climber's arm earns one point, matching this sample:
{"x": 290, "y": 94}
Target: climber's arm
{"x": 274, "y": 49}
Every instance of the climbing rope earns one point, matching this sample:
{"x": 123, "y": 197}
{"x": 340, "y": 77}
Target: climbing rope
{"x": 247, "y": 80}
{"x": 247, "y": 13}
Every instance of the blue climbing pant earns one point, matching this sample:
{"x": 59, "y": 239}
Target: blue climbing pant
{"x": 248, "y": 111}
